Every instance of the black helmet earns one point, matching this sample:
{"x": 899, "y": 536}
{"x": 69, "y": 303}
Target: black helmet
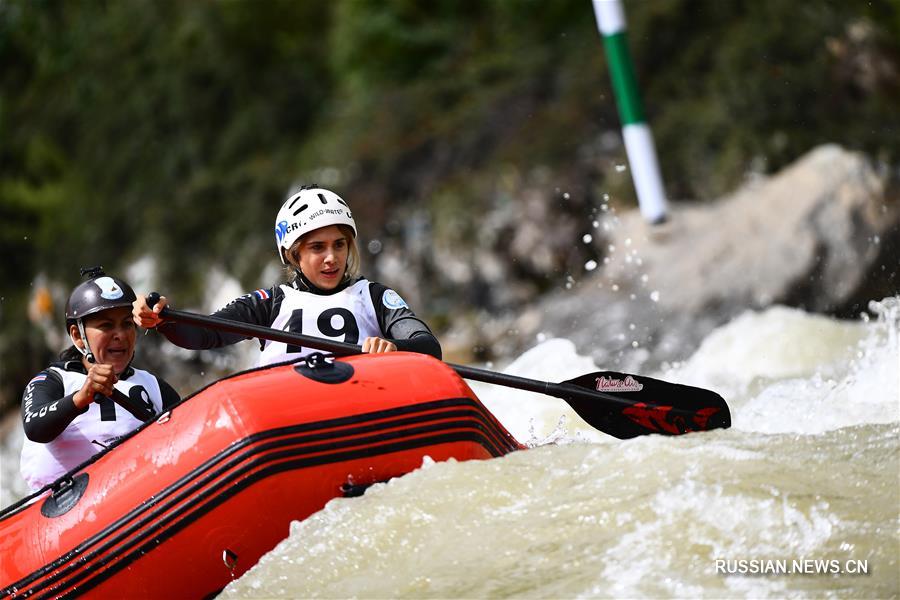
{"x": 99, "y": 292}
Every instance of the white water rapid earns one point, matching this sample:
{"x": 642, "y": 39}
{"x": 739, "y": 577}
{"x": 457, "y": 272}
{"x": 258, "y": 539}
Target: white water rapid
{"x": 800, "y": 494}
{"x": 802, "y": 491}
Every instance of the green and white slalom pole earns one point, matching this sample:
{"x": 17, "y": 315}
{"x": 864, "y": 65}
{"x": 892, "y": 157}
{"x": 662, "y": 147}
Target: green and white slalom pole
{"x": 638, "y": 138}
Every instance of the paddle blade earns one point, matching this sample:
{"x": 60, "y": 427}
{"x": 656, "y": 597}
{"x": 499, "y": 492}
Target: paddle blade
{"x": 653, "y": 406}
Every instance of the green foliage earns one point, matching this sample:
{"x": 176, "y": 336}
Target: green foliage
{"x": 420, "y": 79}
{"x": 753, "y": 82}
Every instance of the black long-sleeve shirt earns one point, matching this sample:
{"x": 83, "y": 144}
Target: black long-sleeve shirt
{"x": 398, "y": 324}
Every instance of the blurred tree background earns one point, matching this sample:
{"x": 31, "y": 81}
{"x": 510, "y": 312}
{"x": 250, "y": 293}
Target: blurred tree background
{"x": 172, "y": 130}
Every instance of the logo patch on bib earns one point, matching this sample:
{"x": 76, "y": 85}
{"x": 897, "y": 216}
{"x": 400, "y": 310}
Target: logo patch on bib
{"x": 392, "y": 299}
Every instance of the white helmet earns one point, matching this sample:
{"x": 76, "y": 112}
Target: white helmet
{"x": 305, "y": 210}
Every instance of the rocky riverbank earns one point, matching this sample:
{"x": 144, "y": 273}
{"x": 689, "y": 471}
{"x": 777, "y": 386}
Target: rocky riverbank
{"x": 823, "y": 234}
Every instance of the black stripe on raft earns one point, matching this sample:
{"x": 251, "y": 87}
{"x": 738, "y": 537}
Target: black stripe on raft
{"x": 466, "y": 403}
{"x": 224, "y": 494}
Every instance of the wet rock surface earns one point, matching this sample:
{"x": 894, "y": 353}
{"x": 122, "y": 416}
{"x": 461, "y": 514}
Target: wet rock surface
{"x": 822, "y": 235}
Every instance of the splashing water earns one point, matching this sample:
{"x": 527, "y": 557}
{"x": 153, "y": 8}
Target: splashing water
{"x": 809, "y": 472}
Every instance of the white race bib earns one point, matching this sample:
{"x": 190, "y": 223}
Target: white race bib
{"x": 347, "y": 316}
{"x": 88, "y": 433}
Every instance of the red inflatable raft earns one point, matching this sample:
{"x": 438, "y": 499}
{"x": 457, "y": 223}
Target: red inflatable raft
{"x": 194, "y": 499}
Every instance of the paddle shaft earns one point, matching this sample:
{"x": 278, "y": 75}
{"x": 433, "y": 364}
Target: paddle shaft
{"x": 557, "y": 390}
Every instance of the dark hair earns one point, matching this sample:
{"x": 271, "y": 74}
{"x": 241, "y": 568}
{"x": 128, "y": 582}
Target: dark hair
{"x": 70, "y": 353}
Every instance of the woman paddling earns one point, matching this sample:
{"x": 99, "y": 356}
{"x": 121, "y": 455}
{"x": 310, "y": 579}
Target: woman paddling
{"x": 92, "y": 396}
{"x": 315, "y": 236}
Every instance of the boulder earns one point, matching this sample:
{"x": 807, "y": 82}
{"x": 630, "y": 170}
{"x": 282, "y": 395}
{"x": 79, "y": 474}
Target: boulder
{"x": 823, "y": 235}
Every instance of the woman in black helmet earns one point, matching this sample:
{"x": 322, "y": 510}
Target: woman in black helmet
{"x": 92, "y": 396}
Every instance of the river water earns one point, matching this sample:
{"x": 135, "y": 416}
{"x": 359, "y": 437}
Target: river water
{"x": 797, "y": 498}
{"x": 801, "y": 494}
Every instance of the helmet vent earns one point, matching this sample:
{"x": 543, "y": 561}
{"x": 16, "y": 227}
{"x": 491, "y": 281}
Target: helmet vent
{"x": 301, "y": 209}
{"x": 322, "y": 198}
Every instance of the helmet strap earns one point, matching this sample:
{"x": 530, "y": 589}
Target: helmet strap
{"x": 301, "y": 282}
{"x": 86, "y": 351}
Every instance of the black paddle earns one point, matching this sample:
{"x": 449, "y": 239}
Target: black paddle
{"x": 619, "y": 404}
